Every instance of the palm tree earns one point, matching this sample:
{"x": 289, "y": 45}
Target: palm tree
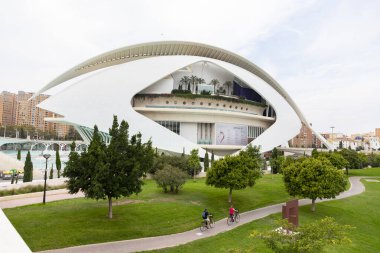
{"x": 214, "y": 82}
{"x": 228, "y": 84}
{"x": 200, "y": 80}
{"x": 184, "y": 81}
{"x": 194, "y": 80}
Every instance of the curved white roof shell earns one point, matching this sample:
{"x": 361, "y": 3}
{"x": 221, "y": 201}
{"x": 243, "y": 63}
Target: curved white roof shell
{"x": 148, "y": 63}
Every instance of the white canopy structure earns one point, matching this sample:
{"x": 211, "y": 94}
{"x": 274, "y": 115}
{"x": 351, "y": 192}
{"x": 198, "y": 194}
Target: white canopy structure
{"x": 153, "y": 69}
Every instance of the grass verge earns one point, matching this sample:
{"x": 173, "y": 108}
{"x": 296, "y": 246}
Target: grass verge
{"x": 361, "y": 211}
{"x": 30, "y": 189}
{"x": 82, "y": 221}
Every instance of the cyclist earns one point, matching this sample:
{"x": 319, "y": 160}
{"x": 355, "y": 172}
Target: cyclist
{"x": 232, "y": 212}
{"x": 205, "y": 217}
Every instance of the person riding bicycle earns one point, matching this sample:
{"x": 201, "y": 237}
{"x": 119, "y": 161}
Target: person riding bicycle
{"x": 205, "y": 217}
{"x": 232, "y": 212}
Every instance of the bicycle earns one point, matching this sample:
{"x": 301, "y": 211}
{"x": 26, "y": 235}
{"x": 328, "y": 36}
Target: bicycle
{"x": 204, "y": 225}
{"x": 235, "y": 218}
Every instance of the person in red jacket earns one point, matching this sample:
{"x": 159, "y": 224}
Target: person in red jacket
{"x": 232, "y": 212}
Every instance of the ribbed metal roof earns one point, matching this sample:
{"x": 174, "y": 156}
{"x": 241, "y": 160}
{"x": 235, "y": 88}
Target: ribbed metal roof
{"x": 163, "y": 48}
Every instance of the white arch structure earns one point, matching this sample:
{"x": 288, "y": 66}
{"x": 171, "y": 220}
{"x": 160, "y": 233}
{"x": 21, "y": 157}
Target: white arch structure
{"x": 124, "y": 72}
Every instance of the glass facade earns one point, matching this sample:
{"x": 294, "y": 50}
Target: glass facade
{"x": 204, "y": 133}
{"x": 89, "y": 132}
{"x": 173, "y": 126}
{"x": 254, "y": 132}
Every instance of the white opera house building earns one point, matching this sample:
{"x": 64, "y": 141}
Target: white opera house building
{"x": 182, "y": 95}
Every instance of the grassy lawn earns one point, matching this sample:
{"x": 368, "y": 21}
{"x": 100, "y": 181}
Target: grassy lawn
{"x": 365, "y": 172}
{"x": 362, "y": 212}
{"x": 82, "y": 221}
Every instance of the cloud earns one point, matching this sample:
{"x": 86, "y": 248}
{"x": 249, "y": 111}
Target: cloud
{"x": 324, "y": 53}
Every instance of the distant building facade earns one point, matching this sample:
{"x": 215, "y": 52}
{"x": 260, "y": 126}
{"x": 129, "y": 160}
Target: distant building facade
{"x": 19, "y": 110}
{"x": 305, "y": 139}
{"x": 377, "y": 132}
{"x": 360, "y": 141}
{"x": 7, "y": 108}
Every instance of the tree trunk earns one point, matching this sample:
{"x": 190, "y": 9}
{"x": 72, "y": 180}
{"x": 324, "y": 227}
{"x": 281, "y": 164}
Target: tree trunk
{"x": 313, "y": 205}
{"x": 230, "y": 196}
{"x": 110, "y": 207}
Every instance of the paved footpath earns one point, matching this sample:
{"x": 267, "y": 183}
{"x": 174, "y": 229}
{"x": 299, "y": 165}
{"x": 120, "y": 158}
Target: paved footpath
{"x": 159, "y": 242}
{"x": 36, "y": 197}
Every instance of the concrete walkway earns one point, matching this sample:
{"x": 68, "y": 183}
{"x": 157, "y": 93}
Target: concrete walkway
{"x": 36, "y": 197}
{"x": 165, "y": 241}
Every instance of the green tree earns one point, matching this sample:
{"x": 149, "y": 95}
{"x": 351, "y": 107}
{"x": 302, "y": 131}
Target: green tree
{"x": 206, "y": 162}
{"x": 340, "y": 145}
{"x": 212, "y": 157}
{"x": 51, "y": 172}
{"x": 314, "y": 178}
{"x": 110, "y": 172}
{"x": 215, "y": 82}
{"x": 22, "y": 133}
{"x": 314, "y": 153}
{"x": 228, "y": 84}
{"x": 363, "y": 158}
{"x": 170, "y": 178}
{"x": 336, "y": 159}
{"x": 236, "y": 172}
{"x": 28, "y": 169}
{"x": 193, "y": 163}
{"x": 374, "y": 160}
{"x": 276, "y": 161}
{"x": 194, "y": 81}
{"x": 352, "y": 157}
{"x": 19, "y": 154}
{"x": 159, "y": 162}
{"x": 58, "y": 163}
{"x": 184, "y": 81}
{"x": 73, "y": 170}
{"x": 310, "y": 238}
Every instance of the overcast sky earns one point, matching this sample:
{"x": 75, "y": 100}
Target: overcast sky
{"x": 325, "y": 53}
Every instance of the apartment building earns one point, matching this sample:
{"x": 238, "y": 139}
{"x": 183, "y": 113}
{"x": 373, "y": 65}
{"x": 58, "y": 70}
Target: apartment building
{"x": 305, "y": 139}
{"x": 7, "y": 108}
{"x": 18, "y": 109}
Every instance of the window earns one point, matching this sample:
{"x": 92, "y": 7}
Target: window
{"x": 254, "y": 132}
{"x": 173, "y": 126}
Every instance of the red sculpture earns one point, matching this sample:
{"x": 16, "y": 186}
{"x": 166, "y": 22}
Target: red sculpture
{"x": 290, "y": 212}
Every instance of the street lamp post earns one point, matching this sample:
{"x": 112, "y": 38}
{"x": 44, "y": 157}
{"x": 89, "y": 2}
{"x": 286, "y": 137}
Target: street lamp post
{"x": 46, "y": 156}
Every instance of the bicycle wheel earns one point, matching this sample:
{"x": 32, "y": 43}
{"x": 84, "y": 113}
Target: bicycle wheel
{"x": 212, "y": 223}
{"x": 203, "y": 227}
{"x": 229, "y": 221}
{"x": 237, "y": 218}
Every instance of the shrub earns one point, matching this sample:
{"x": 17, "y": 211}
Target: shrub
{"x": 205, "y": 92}
{"x": 170, "y": 179}
{"x": 310, "y": 238}
{"x": 175, "y": 91}
{"x": 29, "y": 189}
